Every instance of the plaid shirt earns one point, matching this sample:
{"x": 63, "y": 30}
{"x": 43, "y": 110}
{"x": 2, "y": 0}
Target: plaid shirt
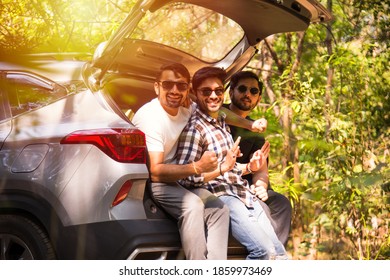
{"x": 204, "y": 133}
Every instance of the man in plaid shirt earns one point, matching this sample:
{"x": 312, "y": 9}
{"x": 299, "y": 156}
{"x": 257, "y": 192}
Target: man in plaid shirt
{"x": 207, "y": 131}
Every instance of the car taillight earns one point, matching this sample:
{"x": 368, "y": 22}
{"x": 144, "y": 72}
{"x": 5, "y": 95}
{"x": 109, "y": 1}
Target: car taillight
{"x": 123, "y": 145}
{"x": 122, "y": 194}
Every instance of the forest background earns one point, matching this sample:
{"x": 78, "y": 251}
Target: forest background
{"x": 326, "y": 98}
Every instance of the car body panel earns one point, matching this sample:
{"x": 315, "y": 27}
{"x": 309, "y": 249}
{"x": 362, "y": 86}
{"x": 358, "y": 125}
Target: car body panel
{"x": 5, "y": 113}
{"x": 32, "y": 137}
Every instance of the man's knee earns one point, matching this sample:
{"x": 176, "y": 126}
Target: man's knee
{"x": 219, "y": 209}
{"x": 278, "y": 202}
{"x": 225, "y": 211}
{"x": 193, "y": 204}
{"x": 285, "y": 204}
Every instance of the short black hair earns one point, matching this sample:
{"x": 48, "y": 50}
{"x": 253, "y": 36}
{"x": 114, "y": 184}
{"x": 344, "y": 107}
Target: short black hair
{"x": 244, "y": 75}
{"x": 177, "y": 68}
{"x": 205, "y": 73}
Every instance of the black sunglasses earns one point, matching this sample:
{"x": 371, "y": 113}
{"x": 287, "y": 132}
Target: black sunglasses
{"x": 168, "y": 85}
{"x": 208, "y": 91}
{"x": 243, "y": 89}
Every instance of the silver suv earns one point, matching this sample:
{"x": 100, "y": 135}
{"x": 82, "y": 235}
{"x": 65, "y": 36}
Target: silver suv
{"x": 74, "y": 179}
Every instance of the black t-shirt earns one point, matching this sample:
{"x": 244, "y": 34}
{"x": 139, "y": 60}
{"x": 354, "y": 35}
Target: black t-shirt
{"x": 250, "y": 143}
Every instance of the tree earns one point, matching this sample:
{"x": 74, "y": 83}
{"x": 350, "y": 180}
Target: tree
{"x": 58, "y": 25}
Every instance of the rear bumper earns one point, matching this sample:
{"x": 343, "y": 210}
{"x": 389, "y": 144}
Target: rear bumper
{"x": 120, "y": 240}
{"x": 132, "y": 240}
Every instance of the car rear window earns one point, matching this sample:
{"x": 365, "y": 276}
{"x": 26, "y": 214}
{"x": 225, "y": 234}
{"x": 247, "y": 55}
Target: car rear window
{"x": 27, "y": 91}
{"x": 3, "y": 114}
{"x": 195, "y": 30}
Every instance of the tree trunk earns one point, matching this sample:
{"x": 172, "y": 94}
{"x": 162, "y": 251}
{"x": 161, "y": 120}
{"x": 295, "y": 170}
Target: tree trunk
{"x": 265, "y": 63}
{"x": 330, "y": 74}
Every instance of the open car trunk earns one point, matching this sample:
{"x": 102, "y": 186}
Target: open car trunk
{"x": 196, "y": 33}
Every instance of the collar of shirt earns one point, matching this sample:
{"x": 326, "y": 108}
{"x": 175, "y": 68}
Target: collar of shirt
{"x": 219, "y": 121}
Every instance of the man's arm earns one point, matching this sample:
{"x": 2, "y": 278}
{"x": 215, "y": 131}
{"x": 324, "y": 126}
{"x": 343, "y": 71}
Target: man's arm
{"x": 259, "y": 167}
{"x": 232, "y": 118}
{"x": 161, "y": 172}
{"x": 261, "y": 177}
{"x": 260, "y": 186}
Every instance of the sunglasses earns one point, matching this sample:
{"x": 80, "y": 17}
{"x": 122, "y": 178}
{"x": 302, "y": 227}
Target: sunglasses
{"x": 243, "y": 89}
{"x": 208, "y": 91}
{"x": 168, "y": 85}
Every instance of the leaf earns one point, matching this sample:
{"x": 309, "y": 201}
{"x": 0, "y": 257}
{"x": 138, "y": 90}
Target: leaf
{"x": 296, "y": 106}
{"x": 358, "y": 168}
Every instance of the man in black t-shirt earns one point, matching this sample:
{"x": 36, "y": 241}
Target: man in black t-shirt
{"x": 245, "y": 94}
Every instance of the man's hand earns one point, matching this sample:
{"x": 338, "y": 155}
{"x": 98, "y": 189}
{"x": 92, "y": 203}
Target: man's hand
{"x": 260, "y": 190}
{"x": 207, "y": 163}
{"x": 259, "y": 158}
{"x": 231, "y": 156}
{"x": 259, "y": 125}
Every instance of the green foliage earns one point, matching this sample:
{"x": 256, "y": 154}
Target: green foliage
{"x": 343, "y": 142}
{"x": 58, "y": 25}
{"x": 343, "y": 150}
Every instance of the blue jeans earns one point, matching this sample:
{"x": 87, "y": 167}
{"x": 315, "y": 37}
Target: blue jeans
{"x": 252, "y": 228}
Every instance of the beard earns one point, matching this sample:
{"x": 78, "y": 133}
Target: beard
{"x": 172, "y": 100}
{"x": 242, "y": 105}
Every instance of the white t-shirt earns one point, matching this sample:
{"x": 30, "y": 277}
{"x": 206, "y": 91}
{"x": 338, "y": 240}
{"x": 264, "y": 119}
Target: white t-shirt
{"x": 162, "y": 130}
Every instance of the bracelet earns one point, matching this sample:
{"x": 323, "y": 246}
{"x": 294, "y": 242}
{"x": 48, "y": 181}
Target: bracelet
{"x": 220, "y": 168}
{"x": 248, "y": 168}
{"x": 193, "y": 165}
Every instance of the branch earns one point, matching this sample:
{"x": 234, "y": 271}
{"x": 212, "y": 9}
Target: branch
{"x": 297, "y": 61}
{"x": 279, "y": 63}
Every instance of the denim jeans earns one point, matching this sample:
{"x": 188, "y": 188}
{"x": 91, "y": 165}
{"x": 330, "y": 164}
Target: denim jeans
{"x": 252, "y": 228}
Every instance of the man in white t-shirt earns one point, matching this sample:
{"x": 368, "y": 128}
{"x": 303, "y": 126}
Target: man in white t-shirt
{"x": 203, "y": 219}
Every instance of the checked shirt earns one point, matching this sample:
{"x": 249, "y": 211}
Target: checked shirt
{"x": 204, "y": 133}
